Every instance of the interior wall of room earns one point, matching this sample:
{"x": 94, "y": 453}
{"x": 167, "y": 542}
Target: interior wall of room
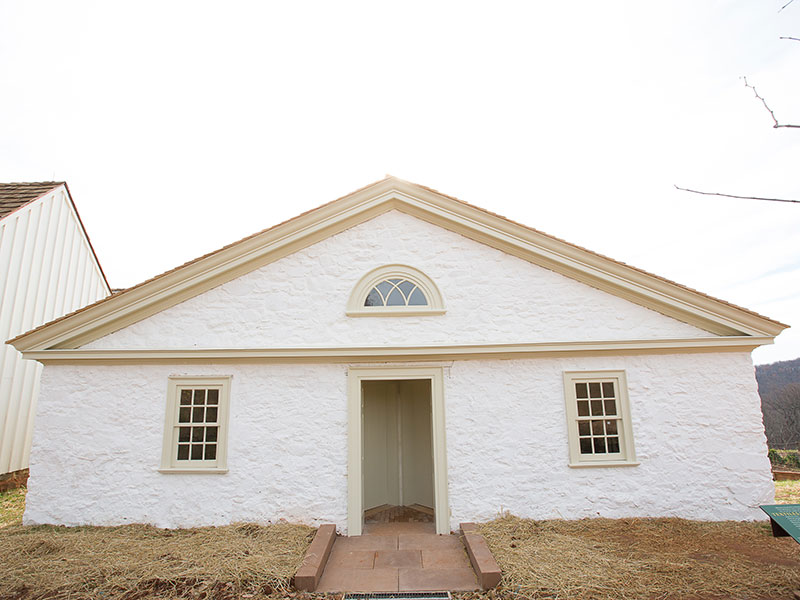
{"x": 398, "y": 451}
{"x": 417, "y": 449}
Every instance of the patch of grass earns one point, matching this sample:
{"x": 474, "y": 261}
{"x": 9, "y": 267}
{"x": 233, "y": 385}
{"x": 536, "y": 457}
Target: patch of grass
{"x": 605, "y": 559}
{"x": 787, "y": 492}
{"x": 12, "y": 505}
{"x": 134, "y": 562}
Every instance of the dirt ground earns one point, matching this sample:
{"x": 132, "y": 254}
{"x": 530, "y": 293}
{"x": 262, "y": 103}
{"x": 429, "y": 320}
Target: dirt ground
{"x": 607, "y": 559}
{"x": 599, "y": 559}
{"x": 136, "y": 562}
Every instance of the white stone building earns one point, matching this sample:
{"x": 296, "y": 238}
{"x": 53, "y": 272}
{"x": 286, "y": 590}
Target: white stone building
{"x": 398, "y": 347}
{"x": 47, "y": 269}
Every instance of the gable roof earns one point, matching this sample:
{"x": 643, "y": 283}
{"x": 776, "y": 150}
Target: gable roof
{"x": 250, "y": 253}
{"x": 16, "y": 195}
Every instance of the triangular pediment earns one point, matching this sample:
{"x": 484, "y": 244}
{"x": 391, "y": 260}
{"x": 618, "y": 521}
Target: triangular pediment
{"x": 228, "y": 263}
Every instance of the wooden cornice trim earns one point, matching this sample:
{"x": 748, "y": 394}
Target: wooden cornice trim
{"x": 196, "y": 277}
{"x": 349, "y": 354}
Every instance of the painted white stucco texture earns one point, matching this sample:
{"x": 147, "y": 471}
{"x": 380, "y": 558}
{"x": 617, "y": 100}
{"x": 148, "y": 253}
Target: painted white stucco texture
{"x": 490, "y": 297}
{"x": 99, "y": 435}
{"x": 697, "y": 431}
{"x": 695, "y": 417}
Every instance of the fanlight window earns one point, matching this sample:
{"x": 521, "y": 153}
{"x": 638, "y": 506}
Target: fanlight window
{"x": 396, "y": 292}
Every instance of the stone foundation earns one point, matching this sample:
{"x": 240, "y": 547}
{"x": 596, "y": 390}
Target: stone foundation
{"x": 13, "y": 480}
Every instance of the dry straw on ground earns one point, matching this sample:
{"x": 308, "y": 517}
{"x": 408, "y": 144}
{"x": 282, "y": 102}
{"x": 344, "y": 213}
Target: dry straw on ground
{"x": 598, "y": 559}
{"x": 620, "y": 559}
{"x": 137, "y": 561}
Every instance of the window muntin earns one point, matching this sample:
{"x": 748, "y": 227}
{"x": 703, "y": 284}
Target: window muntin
{"x": 198, "y": 424}
{"x": 195, "y": 430}
{"x": 395, "y": 291}
{"x": 598, "y": 418}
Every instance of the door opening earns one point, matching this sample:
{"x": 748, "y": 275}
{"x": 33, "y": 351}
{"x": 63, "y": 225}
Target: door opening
{"x": 397, "y": 453}
{"x": 429, "y": 448}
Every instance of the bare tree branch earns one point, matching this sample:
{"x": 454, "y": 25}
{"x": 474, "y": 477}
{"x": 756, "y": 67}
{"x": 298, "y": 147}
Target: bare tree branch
{"x": 764, "y": 102}
{"x": 785, "y": 5}
{"x": 735, "y": 196}
{"x": 786, "y": 37}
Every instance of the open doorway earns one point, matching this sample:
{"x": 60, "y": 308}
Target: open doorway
{"x": 397, "y": 451}
{"x": 422, "y": 424}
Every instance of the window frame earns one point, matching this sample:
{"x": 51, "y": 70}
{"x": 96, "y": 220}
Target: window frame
{"x": 627, "y": 454}
{"x": 355, "y": 304}
{"x": 169, "y": 461}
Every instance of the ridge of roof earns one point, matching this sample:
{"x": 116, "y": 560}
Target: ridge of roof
{"x": 121, "y": 293}
{"x": 15, "y": 195}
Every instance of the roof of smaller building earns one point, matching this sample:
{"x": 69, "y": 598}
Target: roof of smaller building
{"x": 17, "y": 195}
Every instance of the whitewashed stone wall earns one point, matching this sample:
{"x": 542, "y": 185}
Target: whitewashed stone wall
{"x": 697, "y": 428}
{"x": 99, "y": 434}
{"x": 696, "y": 424}
{"x": 491, "y": 297}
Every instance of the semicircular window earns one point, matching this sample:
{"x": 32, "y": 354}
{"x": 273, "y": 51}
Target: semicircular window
{"x": 396, "y": 292}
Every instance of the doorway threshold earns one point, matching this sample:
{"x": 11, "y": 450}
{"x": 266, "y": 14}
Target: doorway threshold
{"x": 415, "y": 513}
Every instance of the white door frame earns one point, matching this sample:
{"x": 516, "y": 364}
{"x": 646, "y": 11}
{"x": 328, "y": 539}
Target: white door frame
{"x": 355, "y": 442}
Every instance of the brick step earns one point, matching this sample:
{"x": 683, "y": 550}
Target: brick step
{"x": 480, "y": 556}
{"x": 397, "y": 557}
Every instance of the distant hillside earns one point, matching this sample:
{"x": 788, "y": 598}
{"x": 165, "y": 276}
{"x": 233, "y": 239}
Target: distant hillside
{"x": 774, "y": 376}
{"x": 779, "y": 388}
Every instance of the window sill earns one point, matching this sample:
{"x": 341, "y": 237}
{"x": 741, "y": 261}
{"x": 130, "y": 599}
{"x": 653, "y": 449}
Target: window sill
{"x": 402, "y": 312}
{"x": 603, "y": 464}
{"x": 179, "y": 470}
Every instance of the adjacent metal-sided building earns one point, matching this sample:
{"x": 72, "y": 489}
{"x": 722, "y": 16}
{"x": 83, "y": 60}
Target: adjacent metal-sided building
{"x": 48, "y": 268}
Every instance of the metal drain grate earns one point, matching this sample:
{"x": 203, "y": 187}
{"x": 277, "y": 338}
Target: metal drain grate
{"x": 399, "y": 596}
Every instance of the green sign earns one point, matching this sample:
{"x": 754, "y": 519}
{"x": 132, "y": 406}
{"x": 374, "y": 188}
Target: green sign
{"x": 785, "y": 519}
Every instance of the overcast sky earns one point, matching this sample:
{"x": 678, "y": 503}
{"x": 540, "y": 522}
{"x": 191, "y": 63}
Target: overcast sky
{"x": 183, "y": 126}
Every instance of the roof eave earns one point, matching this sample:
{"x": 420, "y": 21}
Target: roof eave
{"x": 172, "y": 287}
{"x": 86, "y": 236}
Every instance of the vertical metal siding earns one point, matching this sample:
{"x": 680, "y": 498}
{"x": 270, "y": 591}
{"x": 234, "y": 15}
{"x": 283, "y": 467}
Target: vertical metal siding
{"x": 46, "y": 270}
{"x": 20, "y": 242}
{"x": 26, "y": 287}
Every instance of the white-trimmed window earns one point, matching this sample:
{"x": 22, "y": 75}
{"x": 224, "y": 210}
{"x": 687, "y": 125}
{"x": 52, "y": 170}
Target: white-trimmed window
{"x": 395, "y": 291}
{"x": 598, "y": 419}
{"x": 196, "y": 427}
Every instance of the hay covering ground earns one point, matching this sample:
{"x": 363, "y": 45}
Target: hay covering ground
{"x": 140, "y": 561}
{"x": 600, "y": 559}
{"x": 620, "y": 559}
